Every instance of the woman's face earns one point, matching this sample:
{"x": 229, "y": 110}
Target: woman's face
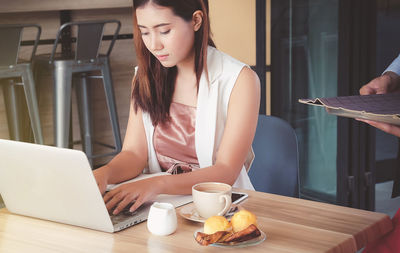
{"x": 167, "y": 36}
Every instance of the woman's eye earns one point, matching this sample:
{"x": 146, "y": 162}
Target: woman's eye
{"x": 144, "y": 33}
{"x": 166, "y": 32}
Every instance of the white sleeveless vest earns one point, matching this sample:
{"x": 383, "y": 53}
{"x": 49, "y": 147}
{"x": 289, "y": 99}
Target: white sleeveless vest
{"x": 212, "y": 107}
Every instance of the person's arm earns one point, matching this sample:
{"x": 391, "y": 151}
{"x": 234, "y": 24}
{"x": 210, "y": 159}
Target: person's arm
{"x": 389, "y": 82}
{"x": 236, "y": 142}
{"x": 131, "y": 161}
{"x": 394, "y": 66}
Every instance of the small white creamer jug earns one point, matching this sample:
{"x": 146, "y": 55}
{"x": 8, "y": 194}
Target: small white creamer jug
{"x": 162, "y": 219}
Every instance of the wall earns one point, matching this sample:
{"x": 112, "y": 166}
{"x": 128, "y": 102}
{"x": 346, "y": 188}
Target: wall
{"x": 233, "y": 24}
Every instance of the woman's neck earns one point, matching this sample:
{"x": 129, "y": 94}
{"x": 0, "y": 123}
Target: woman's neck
{"x": 185, "y": 91}
{"x": 186, "y": 67}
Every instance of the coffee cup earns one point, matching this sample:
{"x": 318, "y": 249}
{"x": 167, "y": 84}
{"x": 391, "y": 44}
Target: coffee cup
{"x": 162, "y": 219}
{"x": 212, "y": 198}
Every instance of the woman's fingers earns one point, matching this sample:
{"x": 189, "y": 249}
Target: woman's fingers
{"x": 122, "y": 204}
{"x": 114, "y": 200}
{"x": 120, "y": 198}
{"x": 123, "y": 195}
{"x": 139, "y": 201}
{"x": 109, "y": 195}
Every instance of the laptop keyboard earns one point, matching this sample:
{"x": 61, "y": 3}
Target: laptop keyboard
{"x": 123, "y": 215}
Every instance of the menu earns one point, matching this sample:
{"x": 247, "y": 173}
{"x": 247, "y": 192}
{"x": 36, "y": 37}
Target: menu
{"x": 376, "y": 107}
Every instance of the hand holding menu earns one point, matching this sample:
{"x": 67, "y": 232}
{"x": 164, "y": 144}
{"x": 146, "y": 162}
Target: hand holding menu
{"x": 377, "y": 107}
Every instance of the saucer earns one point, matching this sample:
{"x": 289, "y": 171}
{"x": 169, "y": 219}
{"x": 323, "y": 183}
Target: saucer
{"x": 243, "y": 244}
{"x": 189, "y": 212}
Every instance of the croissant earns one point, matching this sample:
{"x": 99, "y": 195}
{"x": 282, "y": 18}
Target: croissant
{"x": 246, "y": 234}
{"x": 228, "y": 237}
{"x": 206, "y": 239}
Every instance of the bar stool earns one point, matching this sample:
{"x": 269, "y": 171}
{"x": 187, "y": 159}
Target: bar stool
{"x": 14, "y": 73}
{"x": 77, "y": 69}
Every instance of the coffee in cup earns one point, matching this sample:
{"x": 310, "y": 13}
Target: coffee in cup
{"x": 212, "y": 198}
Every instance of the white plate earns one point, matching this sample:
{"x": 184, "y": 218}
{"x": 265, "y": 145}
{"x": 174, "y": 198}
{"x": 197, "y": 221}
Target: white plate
{"x": 243, "y": 244}
{"x": 189, "y": 212}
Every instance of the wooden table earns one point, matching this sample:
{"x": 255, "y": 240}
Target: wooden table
{"x": 291, "y": 225}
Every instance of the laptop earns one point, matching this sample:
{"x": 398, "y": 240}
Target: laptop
{"x": 57, "y": 184}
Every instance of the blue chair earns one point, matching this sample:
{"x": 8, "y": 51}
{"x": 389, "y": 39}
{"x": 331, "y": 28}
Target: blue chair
{"x": 275, "y": 167}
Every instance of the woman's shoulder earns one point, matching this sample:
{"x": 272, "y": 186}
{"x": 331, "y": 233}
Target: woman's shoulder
{"x": 224, "y": 59}
{"x": 222, "y": 66}
{"x": 228, "y": 66}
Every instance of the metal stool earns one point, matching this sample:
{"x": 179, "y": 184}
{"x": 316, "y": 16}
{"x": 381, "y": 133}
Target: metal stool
{"x": 11, "y": 71}
{"x": 68, "y": 70}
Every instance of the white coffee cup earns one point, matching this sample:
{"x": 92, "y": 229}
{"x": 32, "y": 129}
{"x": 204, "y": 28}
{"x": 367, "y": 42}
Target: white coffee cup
{"x": 162, "y": 219}
{"x": 212, "y": 198}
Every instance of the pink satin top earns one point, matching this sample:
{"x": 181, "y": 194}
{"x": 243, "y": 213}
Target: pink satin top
{"x": 174, "y": 141}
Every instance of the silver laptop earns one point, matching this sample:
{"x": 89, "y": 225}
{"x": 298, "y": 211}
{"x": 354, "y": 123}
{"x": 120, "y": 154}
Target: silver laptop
{"x": 57, "y": 184}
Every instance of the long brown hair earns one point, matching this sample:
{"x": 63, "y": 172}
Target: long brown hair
{"x": 154, "y": 84}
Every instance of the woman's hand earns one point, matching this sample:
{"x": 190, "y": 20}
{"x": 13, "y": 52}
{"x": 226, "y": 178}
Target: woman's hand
{"x": 101, "y": 178}
{"x": 138, "y": 192}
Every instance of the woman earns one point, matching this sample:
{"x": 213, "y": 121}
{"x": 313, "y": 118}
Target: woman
{"x": 193, "y": 109}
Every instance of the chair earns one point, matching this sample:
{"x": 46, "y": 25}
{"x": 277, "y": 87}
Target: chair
{"x": 78, "y": 69}
{"x": 275, "y": 167}
{"x": 14, "y": 73}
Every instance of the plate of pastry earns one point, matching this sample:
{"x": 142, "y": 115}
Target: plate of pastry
{"x": 241, "y": 231}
